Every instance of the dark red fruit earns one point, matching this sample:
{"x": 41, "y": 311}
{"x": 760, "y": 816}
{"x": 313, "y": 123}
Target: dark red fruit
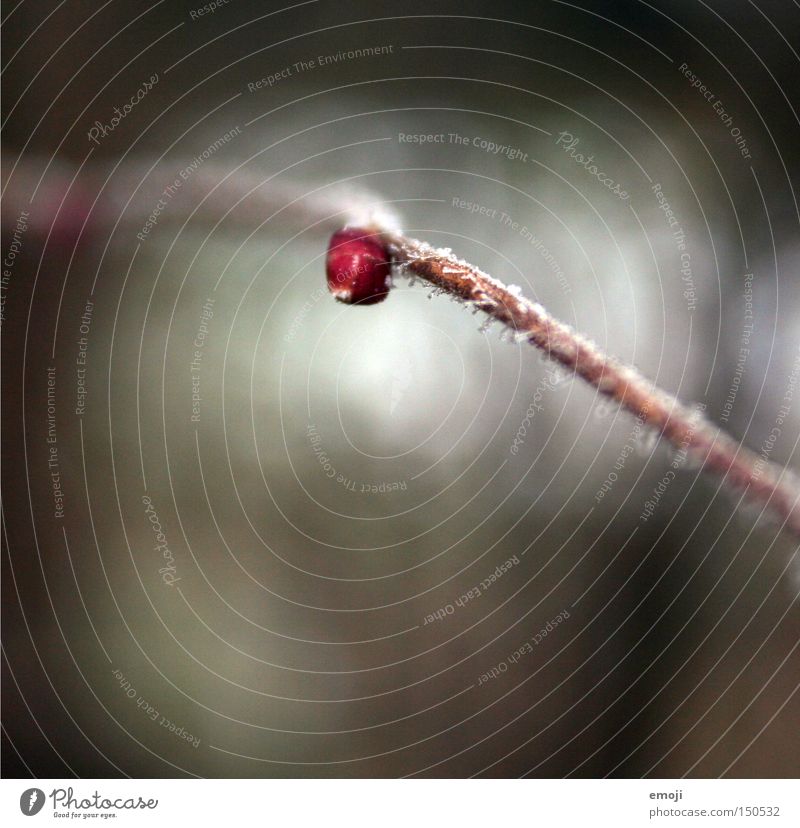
{"x": 358, "y": 267}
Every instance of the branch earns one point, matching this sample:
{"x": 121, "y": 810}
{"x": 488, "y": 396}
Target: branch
{"x": 760, "y": 481}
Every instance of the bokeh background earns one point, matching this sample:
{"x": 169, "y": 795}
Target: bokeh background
{"x": 335, "y": 487}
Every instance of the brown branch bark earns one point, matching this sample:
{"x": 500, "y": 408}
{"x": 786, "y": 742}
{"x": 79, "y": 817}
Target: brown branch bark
{"x": 761, "y": 481}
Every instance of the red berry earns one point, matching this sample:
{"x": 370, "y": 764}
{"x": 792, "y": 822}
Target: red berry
{"x": 358, "y": 267}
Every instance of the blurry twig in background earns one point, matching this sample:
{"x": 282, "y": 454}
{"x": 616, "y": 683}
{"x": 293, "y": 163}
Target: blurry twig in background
{"x": 66, "y": 201}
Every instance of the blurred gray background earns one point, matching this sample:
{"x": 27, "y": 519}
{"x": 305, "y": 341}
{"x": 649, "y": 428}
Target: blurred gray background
{"x": 335, "y": 486}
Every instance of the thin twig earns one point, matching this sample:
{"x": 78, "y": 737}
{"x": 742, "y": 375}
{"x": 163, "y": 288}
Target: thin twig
{"x": 760, "y": 481}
